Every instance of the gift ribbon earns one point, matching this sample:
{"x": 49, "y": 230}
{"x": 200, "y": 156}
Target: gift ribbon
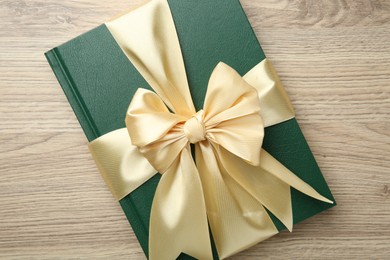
{"x": 233, "y": 180}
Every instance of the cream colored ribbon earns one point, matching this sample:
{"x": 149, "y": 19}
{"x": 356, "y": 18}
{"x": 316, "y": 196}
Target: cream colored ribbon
{"x": 233, "y": 180}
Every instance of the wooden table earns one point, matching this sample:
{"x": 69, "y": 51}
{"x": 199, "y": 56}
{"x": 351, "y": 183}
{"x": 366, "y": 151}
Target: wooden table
{"x": 334, "y": 59}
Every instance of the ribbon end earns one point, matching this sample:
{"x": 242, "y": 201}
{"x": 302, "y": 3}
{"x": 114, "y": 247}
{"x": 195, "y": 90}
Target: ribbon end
{"x": 327, "y": 201}
{"x": 288, "y": 224}
{"x": 314, "y": 194}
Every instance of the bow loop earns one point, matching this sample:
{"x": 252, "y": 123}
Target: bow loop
{"x": 160, "y": 145}
{"x": 232, "y": 114}
{"x": 147, "y": 109}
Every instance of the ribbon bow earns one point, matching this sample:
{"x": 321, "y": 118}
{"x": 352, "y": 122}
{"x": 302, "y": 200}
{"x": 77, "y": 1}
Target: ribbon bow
{"x": 227, "y": 181}
{"x": 233, "y": 180}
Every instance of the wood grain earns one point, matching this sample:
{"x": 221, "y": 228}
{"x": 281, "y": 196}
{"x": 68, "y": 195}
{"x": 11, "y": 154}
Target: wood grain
{"x": 334, "y": 59}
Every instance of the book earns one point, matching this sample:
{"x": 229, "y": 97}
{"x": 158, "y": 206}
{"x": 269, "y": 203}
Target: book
{"x": 99, "y": 82}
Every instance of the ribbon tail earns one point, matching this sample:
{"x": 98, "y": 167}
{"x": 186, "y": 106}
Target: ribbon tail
{"x": 178, "y": 221}
{"x": 236, "y": 219}
{"x": 269, "y": 183}
{"x": 273, "y": 166}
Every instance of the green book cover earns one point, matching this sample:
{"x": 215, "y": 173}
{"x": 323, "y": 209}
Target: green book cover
{"x": 99, "y": 82}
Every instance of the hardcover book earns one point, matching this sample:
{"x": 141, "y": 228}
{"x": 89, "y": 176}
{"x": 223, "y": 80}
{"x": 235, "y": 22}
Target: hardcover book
{"x": 99, "y": 82}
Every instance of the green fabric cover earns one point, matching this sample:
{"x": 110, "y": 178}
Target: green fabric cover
{"x": 99, "y": 82}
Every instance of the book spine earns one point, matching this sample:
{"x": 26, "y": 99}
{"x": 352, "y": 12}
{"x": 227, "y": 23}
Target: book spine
{"x": 70, "y": 89}
{"x": 71, "y": 93}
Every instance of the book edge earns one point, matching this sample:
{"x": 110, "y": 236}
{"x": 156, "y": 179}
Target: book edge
{"x": 70, "y": 91}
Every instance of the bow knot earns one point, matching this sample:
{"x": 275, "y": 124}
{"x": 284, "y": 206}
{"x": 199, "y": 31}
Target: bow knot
{"x": 194, "y": 128}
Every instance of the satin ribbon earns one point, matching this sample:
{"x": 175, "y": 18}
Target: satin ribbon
{"x": 233, "y": 180}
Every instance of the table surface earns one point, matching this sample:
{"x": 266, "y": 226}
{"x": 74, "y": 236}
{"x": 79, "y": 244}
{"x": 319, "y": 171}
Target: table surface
{"x": 334, "y": 59}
